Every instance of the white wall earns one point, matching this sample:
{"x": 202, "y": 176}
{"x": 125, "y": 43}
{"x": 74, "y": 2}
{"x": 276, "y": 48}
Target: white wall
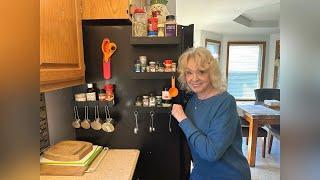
{"x": 59, "y": 106}
{"x": 272, "y": 53}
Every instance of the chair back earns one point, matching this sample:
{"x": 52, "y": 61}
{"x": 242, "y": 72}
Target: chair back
{"x": 267, "y": 94}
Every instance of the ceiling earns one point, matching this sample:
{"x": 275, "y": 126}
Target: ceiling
{"x": 230, "y": 16}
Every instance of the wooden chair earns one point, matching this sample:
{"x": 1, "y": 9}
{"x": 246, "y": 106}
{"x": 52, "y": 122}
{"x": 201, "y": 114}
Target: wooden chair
{"x": 261, "y": 133}
{"x": 268, "y": 94}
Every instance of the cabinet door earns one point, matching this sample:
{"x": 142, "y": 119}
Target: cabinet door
{"x": 61, "y": 44}
{"x": 105, "y": 9}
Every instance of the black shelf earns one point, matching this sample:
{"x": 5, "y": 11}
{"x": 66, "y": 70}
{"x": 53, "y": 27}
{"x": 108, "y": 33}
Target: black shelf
{"x": 155, "y": 40}
{"x": 152, "y": 75}
{"x": 93, "y": 103}
{"x": 156, "y": 110}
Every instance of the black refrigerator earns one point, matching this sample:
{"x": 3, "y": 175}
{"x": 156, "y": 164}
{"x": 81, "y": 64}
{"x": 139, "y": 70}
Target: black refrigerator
{"x": 163, "y": 153}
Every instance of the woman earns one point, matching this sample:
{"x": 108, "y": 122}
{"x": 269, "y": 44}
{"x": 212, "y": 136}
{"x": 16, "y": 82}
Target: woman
{"x": 210, "y": 121}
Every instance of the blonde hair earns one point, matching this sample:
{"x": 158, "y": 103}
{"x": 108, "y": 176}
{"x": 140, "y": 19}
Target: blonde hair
{"x": 205, "y": 61}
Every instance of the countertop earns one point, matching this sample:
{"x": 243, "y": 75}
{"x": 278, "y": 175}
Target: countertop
{"x": 118, "y": 164}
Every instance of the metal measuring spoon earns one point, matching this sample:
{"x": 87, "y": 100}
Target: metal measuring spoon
{"x": 108, "y": 126}
{"x": 86, "y": 122}
{"x": 96, "y": 124}
{"x": 152, "y": 127}
{"x": 170, "y": 119}
{"x": 136, "y": 129}
{"x": 76, "y": 122}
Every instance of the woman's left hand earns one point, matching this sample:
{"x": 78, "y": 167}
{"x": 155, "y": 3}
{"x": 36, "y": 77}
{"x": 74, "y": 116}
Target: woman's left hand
{"x": 178, "y": 113}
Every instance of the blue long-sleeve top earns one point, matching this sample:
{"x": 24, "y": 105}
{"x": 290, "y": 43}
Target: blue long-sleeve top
{"x": 213, "y": 131}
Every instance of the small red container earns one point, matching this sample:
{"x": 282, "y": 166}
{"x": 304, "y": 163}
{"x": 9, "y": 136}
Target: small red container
{"x": 153, "y": 24}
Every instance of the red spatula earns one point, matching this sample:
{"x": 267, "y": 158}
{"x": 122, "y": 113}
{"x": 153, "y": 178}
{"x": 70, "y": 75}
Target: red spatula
{"x": 108, "y": 48}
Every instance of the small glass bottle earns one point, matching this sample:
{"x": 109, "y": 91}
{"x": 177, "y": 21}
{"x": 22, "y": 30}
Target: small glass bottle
{"x": 170, "y": 26}
{"x": 139, "y": 101}
{"x": 152, "y": 65}
{"x": 91, "y": 93}
{"x": 137, "y": 66}
{"x": 159, "y": 101}
{"x": 152, "y": 100}
{"x": 102, "y": 95}
{"x": 160, "y": 30}
{"x": 145, "y": 101}
{"x": 109, "y": 93}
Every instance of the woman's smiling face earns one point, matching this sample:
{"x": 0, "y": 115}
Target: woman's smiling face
{"x": 197, "y": 78}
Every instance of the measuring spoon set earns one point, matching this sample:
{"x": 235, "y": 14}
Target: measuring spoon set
{"x": 97, "y": 124}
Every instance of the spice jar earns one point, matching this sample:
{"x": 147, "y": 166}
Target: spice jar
{"x": 152, "y": 100}
{"x": 174, "y": 67}
{"x": 137, "y": 66}
{"x": 139, "y": 23}
{"x": 102, "y": 95}
{"x": 91, "y": 94}
{"x": 165, "y": 94}
{"x": 109, "y": 93}
{"x": 167, "y": 65}
{"x": 170, "y": 26}
{"x": 159, "y": 101}
{"x": 152, "y": 65}
{"x": 139, "y": 101}
{"x": 143, "y": 60}
{"x": 145, "y": 101}
{"x": 80, "y": 97}
{"x": 160, "y": 30}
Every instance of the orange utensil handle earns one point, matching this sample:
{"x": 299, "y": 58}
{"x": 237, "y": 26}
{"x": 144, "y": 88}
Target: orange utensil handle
{"x": 108, "y": 48}
{"x": 173, "y": 81}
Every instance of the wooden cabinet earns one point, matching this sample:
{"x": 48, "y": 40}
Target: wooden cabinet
{"x": 61, "y": 44}
{"x": 105, "y": 9}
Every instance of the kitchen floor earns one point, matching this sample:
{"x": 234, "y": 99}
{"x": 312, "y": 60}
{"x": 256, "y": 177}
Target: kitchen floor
{"x": 267, "y": 168}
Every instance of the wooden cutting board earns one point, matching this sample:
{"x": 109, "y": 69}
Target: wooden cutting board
{"x": 68, "y": 151}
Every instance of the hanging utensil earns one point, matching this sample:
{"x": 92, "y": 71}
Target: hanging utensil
{"x": 86, "y": 122}
{"x": 108, "y": 48}
{"x": 170, "y": 119}
{"x": 173, "y": 91}
{"x": 108, "y": 125}
{"x": 152, "y": 128}
{"x": 136, "y": 129}
{"x": 76, "y": 122}
{"x": 96, "y": 124}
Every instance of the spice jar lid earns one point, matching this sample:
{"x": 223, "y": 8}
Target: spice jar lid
{"x": 152, "y": 62}
{"x": 170, "y": 17}
{"x": 168, "y": 61}
{"x": 145, "y": 97}
{"x": 139, "y": 10}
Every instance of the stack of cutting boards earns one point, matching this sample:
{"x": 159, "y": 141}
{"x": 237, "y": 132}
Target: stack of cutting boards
{"x": 68, "y": 158}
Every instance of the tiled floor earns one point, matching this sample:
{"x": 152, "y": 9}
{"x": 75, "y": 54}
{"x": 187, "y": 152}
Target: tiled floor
{"x": 267, "y": 168}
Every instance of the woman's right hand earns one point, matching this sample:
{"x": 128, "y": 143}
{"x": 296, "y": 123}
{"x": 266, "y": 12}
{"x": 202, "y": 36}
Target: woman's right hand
{"x": 178, "y": 112}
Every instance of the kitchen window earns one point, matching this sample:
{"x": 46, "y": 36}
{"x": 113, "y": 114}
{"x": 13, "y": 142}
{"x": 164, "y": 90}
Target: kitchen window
{"x": 245, "y": 68}
{"x": 214, "y": 47}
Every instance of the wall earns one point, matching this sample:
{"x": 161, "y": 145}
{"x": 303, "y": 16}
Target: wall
{"x": 272, "y": 52}
{"x": 59, "y": 106}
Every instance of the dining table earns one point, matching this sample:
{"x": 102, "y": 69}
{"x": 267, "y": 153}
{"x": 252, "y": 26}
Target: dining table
{"x": 257, "y": 114}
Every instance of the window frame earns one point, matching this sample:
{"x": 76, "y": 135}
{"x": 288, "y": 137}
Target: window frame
{"x": 214, "y": 41}
{"x": 263, "y": 43}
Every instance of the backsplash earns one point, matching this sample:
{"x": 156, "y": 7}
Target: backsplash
{"x": 44, "y": 133}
